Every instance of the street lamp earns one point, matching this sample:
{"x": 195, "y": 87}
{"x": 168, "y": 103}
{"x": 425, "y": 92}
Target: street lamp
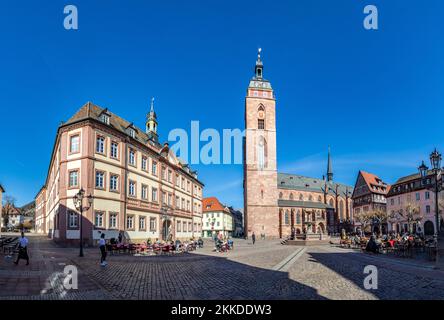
{"x": 423, "y": 170}
{"x": 435, "y": 161}
{"x": 78, "y": 204}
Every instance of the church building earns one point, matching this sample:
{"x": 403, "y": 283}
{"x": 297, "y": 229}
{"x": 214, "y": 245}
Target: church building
{"x": 277, "y": 204}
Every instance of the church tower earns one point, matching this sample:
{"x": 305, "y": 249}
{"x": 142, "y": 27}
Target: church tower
{"x": 260, "y": 167}
{"x": 151, "y": 123}
{"x": 329, "y": 169}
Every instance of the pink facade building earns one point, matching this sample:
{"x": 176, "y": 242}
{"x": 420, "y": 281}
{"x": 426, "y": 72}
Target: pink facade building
{"x": 140, "y": 188}
{"x": 411, "y": 205}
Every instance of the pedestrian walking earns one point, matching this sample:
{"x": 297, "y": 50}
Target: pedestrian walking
{"x": 102, "y": 246}
{"x": 253, "y": 237}
{"x": 23, "y": 249}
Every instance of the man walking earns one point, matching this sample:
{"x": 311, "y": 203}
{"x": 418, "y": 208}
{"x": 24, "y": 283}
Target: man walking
{"x": 23, "y": 249}
{"x": 253, "y": 237}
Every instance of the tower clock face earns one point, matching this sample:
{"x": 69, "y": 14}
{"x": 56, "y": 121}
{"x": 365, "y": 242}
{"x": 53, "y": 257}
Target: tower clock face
{"x": 261, "y": 114}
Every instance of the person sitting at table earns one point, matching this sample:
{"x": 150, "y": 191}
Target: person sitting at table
{"x": 177, "y": 245}
{"x": 372, "y": 246}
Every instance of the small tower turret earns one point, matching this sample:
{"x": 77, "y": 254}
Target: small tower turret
{"x": 151, "y": 123}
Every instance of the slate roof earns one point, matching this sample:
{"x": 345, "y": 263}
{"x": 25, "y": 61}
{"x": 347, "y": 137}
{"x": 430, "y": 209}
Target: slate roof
{"x": 412, "y": 177}
{"x": 92, "y": 111}
{"x": 301, "y": 183}
{"x": 304, "y": 204}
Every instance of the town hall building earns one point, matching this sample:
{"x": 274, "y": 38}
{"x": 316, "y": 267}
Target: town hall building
{"x": 278, "y": 204}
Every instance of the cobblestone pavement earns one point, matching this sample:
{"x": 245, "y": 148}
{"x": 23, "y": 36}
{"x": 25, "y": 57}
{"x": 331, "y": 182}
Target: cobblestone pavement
{"x": 247, "y": 272}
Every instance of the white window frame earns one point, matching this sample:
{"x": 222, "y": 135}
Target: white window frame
{"x": 74, "y": 147}
{"x": 100, "y": 144}
{"x": 114, "y": 185}
{"x": 114, "y": 153}
{"x": 76, "y": 172}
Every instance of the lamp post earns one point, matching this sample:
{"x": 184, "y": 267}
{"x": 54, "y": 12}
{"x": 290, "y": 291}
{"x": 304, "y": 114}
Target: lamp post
{"x": 78, "y": 204}
{"x": 435, "y": 161}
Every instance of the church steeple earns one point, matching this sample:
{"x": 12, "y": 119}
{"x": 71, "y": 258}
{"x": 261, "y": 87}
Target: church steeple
{"x": 151, "y": 122}
{"x": 259, "y": 69}
{"x": 329, "y": 168}
{"x": 258, "y": 81}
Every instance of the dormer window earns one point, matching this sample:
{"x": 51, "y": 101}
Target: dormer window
{"x": 132, "y": 133}
{"x": 105, "y": 118}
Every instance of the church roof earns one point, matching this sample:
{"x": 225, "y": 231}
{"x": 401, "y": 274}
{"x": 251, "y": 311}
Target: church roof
{"x": 301, "y": 183}
{"x": 303, "y": 204}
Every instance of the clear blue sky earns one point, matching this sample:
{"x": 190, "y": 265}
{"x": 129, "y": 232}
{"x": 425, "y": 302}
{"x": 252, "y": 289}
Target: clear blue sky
{"x": 375, "y": 96}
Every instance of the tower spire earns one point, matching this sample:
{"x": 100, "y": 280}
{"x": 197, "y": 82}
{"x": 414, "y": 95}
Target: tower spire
{"x": 258, "y": 70}
{"x": 152, "y": 105}
{"x": 151, "y": 122}
{"x": 329, "y": 168}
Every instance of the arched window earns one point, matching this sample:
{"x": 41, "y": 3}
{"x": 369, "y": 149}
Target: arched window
{"x": 262, "y": 153}
{"x": 280, "y": 195}
{"x": 319, "y": 199}
{"x": 291, "y": 196}
{"x": 331, "y": 203}
{"x": 261, "y": 117}
{"x": 310, "y": 198}
{"x": 301, "y": 197}
{"x": 341, "y": 209}
{"x": 287, "y": 218}
{"x": 298, "y": 217}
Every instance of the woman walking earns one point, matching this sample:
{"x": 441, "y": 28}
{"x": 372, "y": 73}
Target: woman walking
{"x": 102, "y": 246}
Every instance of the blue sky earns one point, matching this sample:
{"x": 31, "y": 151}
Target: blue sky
{"x": 376, "y": 97}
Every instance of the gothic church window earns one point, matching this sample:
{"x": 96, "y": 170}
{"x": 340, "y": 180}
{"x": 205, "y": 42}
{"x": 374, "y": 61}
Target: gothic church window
{"x": 286, "y": 219}
{"x": 262, "y": 153}
{"x": 298, "y": 218}
{"x": 341, "y": 209}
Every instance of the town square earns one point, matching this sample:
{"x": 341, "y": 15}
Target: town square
{"x": 173, "y": 162}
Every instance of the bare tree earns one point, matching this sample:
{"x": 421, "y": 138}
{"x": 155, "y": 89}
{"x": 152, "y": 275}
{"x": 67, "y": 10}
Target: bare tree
{"x": 367, "y": 218}
{"x": 8, "y": 209}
